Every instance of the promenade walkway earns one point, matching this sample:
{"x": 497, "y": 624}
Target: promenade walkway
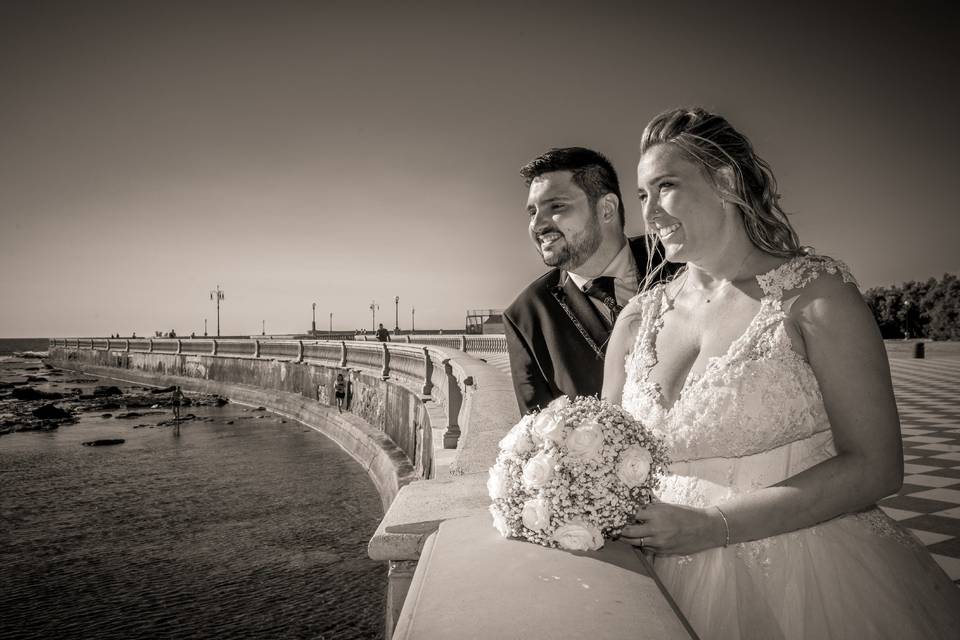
{"x": 928, "y": 396}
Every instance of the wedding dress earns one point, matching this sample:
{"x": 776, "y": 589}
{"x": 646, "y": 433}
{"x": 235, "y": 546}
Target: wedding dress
{"x": 754, "y": 417}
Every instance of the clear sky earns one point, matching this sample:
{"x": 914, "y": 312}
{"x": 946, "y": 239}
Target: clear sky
{"x": 346, "y": 152}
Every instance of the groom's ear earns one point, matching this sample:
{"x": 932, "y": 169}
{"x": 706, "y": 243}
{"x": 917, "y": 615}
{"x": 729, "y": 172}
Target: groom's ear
{"x": 607, "y": 208}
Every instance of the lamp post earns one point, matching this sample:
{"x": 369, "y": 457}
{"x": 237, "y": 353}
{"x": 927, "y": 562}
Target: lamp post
{"x": 263, "y": 330}
{"x": 313, "y": 331}
{"x": 396, "y": 315}
{"x": 373, "y": 310}
{"x": 217, "y": 295}
{"x": 204, "y": 327}
{"x": 331, "y": 322}
{"x": 413, "y": 325}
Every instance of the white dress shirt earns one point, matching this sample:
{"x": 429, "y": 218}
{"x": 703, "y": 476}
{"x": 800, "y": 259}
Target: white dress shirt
{"x": 623, "y": 268}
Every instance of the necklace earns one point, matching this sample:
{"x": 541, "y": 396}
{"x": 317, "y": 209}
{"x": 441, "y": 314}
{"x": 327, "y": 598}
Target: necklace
{"x": 715, "y": 292}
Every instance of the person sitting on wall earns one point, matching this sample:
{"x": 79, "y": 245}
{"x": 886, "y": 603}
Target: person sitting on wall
{"x": 340, "y": 392}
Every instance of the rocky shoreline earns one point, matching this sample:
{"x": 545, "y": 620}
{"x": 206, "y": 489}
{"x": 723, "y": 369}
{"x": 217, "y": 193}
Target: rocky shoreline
{"x": 35, "y": 396}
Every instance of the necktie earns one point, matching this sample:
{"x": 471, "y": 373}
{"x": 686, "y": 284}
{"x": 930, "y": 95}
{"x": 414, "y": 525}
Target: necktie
{"x": 602, "y": 289}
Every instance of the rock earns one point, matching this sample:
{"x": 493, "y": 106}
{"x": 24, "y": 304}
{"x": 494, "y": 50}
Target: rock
{"x": 36, "y": 379}
{"x": 29, "y": 393}
{"x": 229, "y": 421}
{"x": 51, "y": 412}
{"x": 101, "y": 392}
{"x": 106, "y": 415}
{"x": 260, "y": 409}
{"x": 104, "y": 442}
{"x": 219, "y": 402}
{"x": 164, "y": 390}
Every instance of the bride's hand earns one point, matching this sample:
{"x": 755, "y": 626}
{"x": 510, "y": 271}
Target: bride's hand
{"x": 673, "y": 529}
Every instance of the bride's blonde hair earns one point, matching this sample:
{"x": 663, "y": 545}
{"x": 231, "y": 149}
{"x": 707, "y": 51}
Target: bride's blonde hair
{"x": 709, "y": 140}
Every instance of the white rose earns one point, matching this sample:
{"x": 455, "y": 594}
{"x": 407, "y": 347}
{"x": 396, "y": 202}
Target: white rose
{"x": 585, "y": 441}
{"x": 559, "y": 403}
{"x": 577, "y": 535}
{"x": 499, "y": 522}
{"x": 548, "y": 426}
{"x": 634, "y": 465}
{"x": 538, "y": 470}
{"x": 498, "y": 485}
{"x": 518, "y": 439}
{"x": 536, "y": 514}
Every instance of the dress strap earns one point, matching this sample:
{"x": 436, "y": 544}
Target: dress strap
{"x": 800, "y": 271}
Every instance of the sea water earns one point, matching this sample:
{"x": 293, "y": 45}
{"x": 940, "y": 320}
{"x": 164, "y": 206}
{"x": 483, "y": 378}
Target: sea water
{"x": 255, "y": 529}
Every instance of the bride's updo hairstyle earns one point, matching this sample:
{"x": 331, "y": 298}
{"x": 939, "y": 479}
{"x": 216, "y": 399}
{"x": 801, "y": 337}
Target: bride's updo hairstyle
{"x": 711, "y": 142}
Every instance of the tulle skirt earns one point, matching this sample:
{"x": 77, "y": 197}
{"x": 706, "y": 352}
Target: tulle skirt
{"x": 857, "y": 576}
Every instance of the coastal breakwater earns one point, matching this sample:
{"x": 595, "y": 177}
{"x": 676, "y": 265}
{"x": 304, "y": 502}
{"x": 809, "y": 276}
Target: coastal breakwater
{"x": 424, "y": 421}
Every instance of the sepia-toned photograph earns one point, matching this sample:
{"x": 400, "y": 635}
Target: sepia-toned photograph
{"x": 622, "y": 320}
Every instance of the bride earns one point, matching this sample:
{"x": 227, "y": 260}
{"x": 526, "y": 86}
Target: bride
{"x": 764, "y": 370}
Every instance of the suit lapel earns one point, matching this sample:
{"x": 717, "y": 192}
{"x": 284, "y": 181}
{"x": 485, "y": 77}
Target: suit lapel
{"x": 584, "y": 310}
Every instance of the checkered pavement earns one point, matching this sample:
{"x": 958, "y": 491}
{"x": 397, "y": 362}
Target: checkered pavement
{"x": 928, "y": 504}
{"x": 928, "y": 396}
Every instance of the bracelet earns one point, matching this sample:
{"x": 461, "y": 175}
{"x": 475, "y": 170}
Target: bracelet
{"x": 726, "y": 526}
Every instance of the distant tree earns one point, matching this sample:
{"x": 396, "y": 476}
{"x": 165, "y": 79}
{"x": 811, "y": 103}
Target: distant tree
{"x": 928, "y": 309}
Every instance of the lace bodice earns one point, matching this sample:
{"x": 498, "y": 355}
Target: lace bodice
{"x": 759, "y": 395}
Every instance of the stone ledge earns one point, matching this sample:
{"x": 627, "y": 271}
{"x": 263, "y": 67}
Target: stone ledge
{"x": 418, "y": 510}
{"x": 473, "y": 584}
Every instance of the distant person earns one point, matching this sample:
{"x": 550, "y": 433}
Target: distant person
{"x": 382, "y": 334}
{"x": 340, "y": 391}
{"x": 557, "y": 328}
{"x": 177, "y": 400}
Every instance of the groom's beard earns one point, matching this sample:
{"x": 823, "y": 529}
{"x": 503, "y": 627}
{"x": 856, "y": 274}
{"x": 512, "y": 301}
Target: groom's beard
{"x": 577, "y": 249}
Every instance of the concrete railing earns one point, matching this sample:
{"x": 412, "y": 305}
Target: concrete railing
{"x": 466, "y": 342}
{"x": 426, "y": 371}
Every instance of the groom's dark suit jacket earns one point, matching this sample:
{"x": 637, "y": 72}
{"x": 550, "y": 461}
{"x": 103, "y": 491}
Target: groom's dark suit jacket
{"x": 549, "y": 356}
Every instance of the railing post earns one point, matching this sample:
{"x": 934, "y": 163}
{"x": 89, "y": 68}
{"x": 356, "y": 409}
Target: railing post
{"x": 407, "y": 339}
{"x": 256, "y": 348}
{"x": 150, "y": 348}
{"x": 179, "y": 346}
{"x": 463, "y": 343}
{"x": 454, "y": 401}
{"x": 299, "y": 350}
{"x": 213, "y": 349}
{"x": 343, "y": 353}
{"x": 427, "y": 373}
{"x": 385, "y": 371}
{"x": 126, "y": 346}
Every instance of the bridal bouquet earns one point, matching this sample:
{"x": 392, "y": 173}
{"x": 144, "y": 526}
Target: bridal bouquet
{"x": 574, "y": 474}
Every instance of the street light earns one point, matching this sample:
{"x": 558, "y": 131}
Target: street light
{"x": 331, "y": 322}
{"x": 373, "y": 310}
{"x": 396, "y": 317}
{"x": 314, "y": 331}
{"x": 204, "y": 327}
{"x": 263, "y": 331}
{"x": 413, "y": 325}
{"x": 217, "y": 295}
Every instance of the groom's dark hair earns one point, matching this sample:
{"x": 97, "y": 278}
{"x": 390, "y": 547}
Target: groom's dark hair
{"x": 591, "y": 170}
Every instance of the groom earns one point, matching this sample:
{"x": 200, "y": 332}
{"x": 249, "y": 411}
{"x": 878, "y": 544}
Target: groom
{"x": 557, "y": 328}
